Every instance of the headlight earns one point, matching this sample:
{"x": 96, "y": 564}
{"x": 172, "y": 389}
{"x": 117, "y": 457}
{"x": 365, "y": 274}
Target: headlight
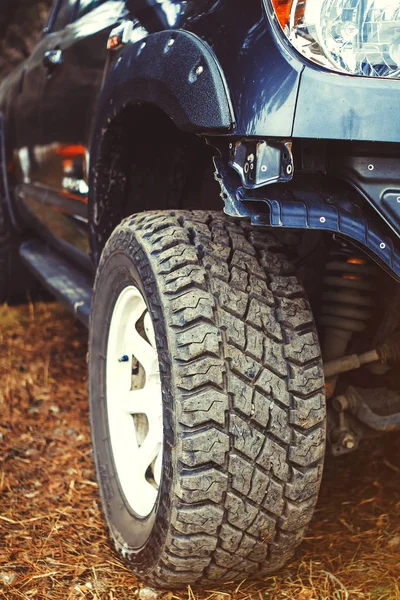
{"x": 358, "y": 37}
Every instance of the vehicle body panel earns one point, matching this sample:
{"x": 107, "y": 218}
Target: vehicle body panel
{"x": 345, "y": 107}
{"x": 252, "y": 84}
{"x": 54, "y": 160}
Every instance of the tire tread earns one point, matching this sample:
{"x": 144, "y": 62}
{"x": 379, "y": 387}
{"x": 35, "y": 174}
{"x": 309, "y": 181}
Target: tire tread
{"x": 248, "y": 381}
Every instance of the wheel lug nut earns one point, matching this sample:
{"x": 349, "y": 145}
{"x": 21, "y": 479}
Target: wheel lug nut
{"x": 124, "y": 358}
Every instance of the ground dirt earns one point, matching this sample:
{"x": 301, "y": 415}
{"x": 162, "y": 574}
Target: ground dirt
{"x": 53, "y": 542}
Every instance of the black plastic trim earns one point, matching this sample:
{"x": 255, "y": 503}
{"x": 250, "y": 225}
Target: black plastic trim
{"x": 71, "y": 286}
{"x": 175, "y": 71}
{"x": 316, "y": 210}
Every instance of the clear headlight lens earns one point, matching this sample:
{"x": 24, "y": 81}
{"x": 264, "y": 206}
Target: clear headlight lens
{"x": 358, "y": 37}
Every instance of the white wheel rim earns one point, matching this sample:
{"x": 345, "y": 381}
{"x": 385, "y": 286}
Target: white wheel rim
{"x": 134, "y": 401}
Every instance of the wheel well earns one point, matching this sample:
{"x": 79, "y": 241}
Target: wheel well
{"x": 147, "y": 163}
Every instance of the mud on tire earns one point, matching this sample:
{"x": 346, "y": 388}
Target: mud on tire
{"x": 242, "y": 385}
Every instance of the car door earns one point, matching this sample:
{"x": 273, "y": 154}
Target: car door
{"x": 31, "y": 82}
{"x": 28, "y": 115}
{"x": 74, "y": 65}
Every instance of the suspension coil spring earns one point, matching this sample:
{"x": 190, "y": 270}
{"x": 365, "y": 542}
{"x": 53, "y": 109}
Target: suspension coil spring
{"x": 347, "y": 299}
{"x": 390, "y": 351}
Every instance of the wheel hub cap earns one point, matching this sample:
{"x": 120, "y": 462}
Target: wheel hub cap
{"x": 134, "y": 401}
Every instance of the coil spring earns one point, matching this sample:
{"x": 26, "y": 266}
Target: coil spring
{"x": 348, "y": 291}
{"x": 390, "y": 351}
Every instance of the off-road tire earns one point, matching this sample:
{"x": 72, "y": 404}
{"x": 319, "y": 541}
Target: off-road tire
{"x": 16, "y": 283}
{"x": 242, "y": 382}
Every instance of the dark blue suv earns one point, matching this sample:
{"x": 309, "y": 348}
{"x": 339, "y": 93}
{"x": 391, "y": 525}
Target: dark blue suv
{"x": 213, "y": 187}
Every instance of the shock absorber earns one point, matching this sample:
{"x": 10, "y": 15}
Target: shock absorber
{"x": 347, "y": 300}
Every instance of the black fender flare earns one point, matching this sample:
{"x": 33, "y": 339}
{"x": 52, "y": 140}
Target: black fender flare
{"x": 175, "y": 71}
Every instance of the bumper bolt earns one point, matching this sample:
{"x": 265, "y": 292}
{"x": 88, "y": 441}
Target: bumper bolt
{"x": 348, "y": 442}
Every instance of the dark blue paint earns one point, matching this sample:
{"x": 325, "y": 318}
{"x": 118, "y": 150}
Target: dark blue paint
{"x": 344, "y": 107}
{"x": 254, "y": 84}
{"x": 262, "y": 76}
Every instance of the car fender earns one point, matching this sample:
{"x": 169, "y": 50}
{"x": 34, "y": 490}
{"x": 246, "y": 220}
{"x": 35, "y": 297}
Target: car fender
{"x": 175, "y": 71}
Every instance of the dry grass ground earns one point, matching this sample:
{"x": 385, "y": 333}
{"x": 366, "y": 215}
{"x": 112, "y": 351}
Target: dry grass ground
{"x": 53, "y": 542}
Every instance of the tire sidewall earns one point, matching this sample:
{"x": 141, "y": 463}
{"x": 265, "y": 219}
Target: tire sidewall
{"x": 122, "y": 265}
{"x": 248, "y": 419}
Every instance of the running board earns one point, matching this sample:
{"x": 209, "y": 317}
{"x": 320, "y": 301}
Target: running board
{"x": 69, "y": 284}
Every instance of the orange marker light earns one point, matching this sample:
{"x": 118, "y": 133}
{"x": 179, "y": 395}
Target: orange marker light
{"x": 350, "y": 276}
{"x": 68, "y": 165}
{"x": 113, "y": 42}
{"x": 356, "y": 261}
{"x": 282, "y": 11}
{"x": 71, "y": 151}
